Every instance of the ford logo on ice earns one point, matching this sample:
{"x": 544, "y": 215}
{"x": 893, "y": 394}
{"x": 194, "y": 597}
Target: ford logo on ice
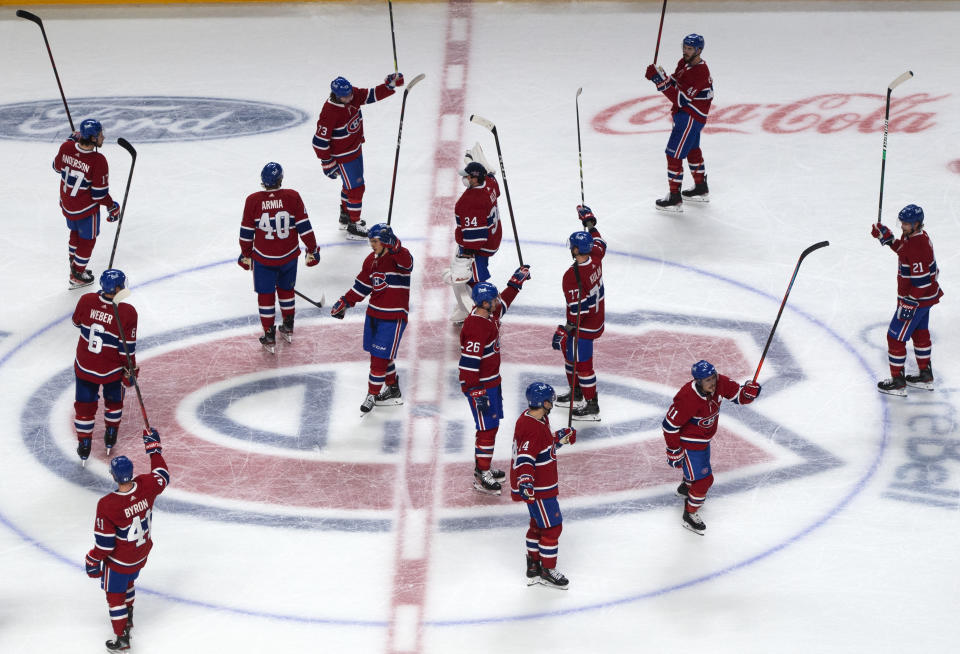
{"x": 148, "y": 119}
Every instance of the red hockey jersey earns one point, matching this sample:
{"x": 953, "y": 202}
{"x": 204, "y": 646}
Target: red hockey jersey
{"x": 691, "y": 420}
{"x": 590, "y": 293}
{"x": 100, "y": 356}
{"x": 271, "y": 222}
{"x": 339, "y": 133}
{"x": 918, "y": 272}
{"x": 480, "y": 346}
{"x": 386, "y": 279}
{"x": 534, "y": 454}
{"x": 478, "y": 219}
{"x": 690, "y": 89}
{"x": 122, "y": 527}
{"x": 84, "y": 180}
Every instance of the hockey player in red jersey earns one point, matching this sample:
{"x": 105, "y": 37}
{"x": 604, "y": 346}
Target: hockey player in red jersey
{"x": 385, "y": 277}
{"x": 338, "y": 143}
{"x": 122, "y": 535}
{"x": 84, "y": 188}
{"x": 690, "y": 90}
{"x": 480, "y": 372}
{"x": 478, "y": 232}
{"x": 583, "y": 291}
{"x": 690, "y": 425}
{"x": 918, "y": 289}
{"x": 101, "y": 359}
{"x": 272, "y": 220}
{"x": 534, "y": 480}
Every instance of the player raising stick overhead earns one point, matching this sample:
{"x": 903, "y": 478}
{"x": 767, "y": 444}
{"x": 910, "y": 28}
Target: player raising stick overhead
{"x": 338, "y": 144}
{"x": 480, "y": 373}
{"x": 385, "y": 277}
{"x": 272, "y": 220}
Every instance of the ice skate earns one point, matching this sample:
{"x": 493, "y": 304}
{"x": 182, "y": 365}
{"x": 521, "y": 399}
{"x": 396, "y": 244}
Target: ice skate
{"x": 80, "y": 278}
{"x": 533, "y": 571}
{"x": 286, "y": 330}
{"x": 894, "y": 386}
{"x": 484, "y": 482}
{"x": 120, "y": 644}
{"x": 357, "y": 232}
{"x": 693, "y": 522}
{"x": 389, "y": 396}
{"x": 672, "y": 202}
{"x": 563, "y": 401}
{"x": 368, "y": 403}
{"x": 923, "y": 380}
{"x": 682, "y": 489}
{"x": 110, "y": 437}
{"x": 590, "y": 411}
{"x": 699, "y": 193}
{"x": 498, "y": 475}
{"x": 345, "y": 219}
{"x": 269, "y": 340}
{"x": 553, "y": 578}
{"x": 84, "y": 445}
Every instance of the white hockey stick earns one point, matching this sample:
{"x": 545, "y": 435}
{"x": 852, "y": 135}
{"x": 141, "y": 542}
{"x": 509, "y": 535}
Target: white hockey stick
{"x": 886, "y": 123}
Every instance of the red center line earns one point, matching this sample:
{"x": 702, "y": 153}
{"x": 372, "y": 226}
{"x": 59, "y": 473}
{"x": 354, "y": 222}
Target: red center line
{"x": 420, "y": 474}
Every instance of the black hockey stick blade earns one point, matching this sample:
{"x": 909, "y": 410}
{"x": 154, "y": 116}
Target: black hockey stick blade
{"x": 33, "y": 17}
{"x": 483, "y": 122}
{"x": 815, "y": 246}
{"x": 125, "y": 144}
{"x": 897, "y": 82}
{"x": 319, "y": 304}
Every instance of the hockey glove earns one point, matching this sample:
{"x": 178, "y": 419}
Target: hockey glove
{"x": 882, "y": 233}
{"x": 520, "y": 275}
{"x": 565, "y": 436}
{"x": 675, "y": 457}
{"x": 151, "y": 442}
{"x": 312, "y": 258}
{"x": 114, "y": 214}
{"x": 244, "y": 262}
{"x": 75, "y": 136}
{"x": 525, "y": 484}
{"x": 128, "y": 378}
{"x": 748, "y": 392}
{"x": 392, "y": 248}
{"x": 94, "y": 567}
{"x": 330, "y": 168}
{"x": 393, "y": 80}
{"x": 560, "y": 338}
{"x": 586, "y": 216}
{"x": 480, "y": 399}
{"x": 656, "y": 75}
{"x": 906, "y": 308}
{"x": 339, "y": 309}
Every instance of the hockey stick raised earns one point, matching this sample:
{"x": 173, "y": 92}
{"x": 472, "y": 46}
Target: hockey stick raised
{"x": 130, "y": 368}
{"x": 580, "y": 148}
{"x": 396, "y": 157}
{"x": 488, "y": 124}
{"x": 663, "y": 12}
{"x": 319, "y": 304}
{"x": 125, "y": 144}
{"x": 393, "y": 37}
{"x": 36, "y": 19}
{"x": 886, "y": 123}
{"x": 815, "y": 246}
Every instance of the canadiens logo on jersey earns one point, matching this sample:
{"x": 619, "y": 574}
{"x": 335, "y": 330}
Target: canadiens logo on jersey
{"x": 354, "y": 125}
{"x": 149, "y": 119}
{"x": 378, "y": 281}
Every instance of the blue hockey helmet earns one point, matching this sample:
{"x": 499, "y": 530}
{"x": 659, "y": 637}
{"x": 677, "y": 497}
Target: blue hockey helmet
{"x": 694, "y": 41}
{"x": 910, "y": 214}
{"x": 702, "y": 370}
{"x": 581, "y": 241}
{"x": 538, "y": 393}
{"x": 341, "y": 87}
{"x": 90, "y": 129}
{"x": 383, "y": 233}
{"x": 272, "y": 175}
{"x": 484, "y": 292}
{"x": 122, "y": 469}
{"x": 112, "y": 280}
{"x": 474, "y": 169}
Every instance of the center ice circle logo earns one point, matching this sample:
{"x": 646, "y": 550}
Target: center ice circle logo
{"x": 149, "y": 119}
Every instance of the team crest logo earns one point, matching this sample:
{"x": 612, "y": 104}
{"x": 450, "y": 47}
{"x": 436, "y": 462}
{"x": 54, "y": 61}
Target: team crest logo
{"x": 149, "y": 119}
{"x": 354, "y": 125}
{"x": 379, "y": 281}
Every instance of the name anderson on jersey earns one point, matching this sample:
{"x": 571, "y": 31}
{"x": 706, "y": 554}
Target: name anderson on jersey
{"x": 76, "y": 163}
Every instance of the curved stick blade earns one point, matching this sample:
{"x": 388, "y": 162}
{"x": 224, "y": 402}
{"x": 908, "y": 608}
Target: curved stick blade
{"x": 483, "y": 122}
{"x": 900, "y": 80}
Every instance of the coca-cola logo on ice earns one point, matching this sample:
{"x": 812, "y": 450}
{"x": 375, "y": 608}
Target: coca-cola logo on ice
{"x": 148, "y": 119}
{"x": 824, "y": 114}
